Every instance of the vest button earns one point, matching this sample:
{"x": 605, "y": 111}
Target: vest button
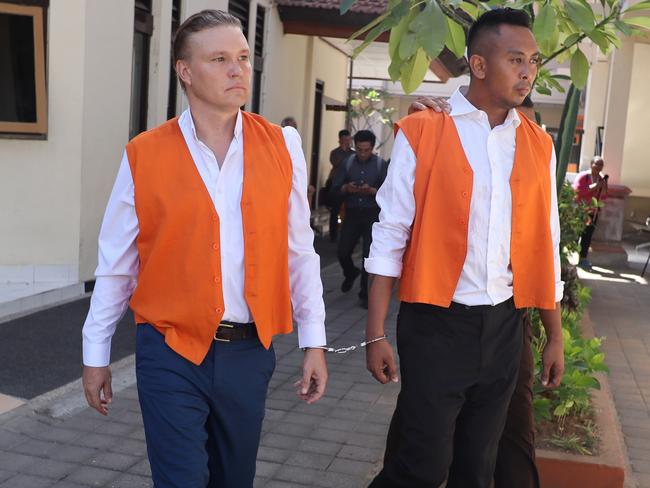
{"x": 217, "y": 279}
{"x": 464, "y": 194}
{"x": 218, "y": 310}
{"x": 462, "y": 221}
{"x": 215, "y": 246}
{"x": 214, "y": 217}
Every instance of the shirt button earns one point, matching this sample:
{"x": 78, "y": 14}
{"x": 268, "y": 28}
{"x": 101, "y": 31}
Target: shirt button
{"x": 215, "y": 246}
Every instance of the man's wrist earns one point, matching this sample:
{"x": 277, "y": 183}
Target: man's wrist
{"x": 373, "y": 333}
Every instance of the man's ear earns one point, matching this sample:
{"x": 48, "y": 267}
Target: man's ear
{"x": 478, "y": 66}
{"x": 183, "y": 71}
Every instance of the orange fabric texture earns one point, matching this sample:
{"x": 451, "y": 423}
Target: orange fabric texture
{"x": 436, "y": 251}
{"x": 179, "y": 281}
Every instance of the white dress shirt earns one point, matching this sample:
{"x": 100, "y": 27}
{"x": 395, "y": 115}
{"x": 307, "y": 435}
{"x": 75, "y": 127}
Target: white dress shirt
{"x": 486, "y": 277}
{"x": 118, "y": 266}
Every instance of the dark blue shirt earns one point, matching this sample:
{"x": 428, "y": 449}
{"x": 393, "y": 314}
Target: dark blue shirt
{"x": 352, "y": 170}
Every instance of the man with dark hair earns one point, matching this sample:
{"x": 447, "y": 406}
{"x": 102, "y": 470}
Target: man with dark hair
{"x": 196, "y": 205}
{"x": 356, "y": 181}
{"x": 469, "y": 223}
{"x": 289, "y": 122}
{"x": 337, "y": 156}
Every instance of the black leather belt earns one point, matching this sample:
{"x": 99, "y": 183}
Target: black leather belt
{"x": 509, "y": 303}
{"x": 234, "y": 331}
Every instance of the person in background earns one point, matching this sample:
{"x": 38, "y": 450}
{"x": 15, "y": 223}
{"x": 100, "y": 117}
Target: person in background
{"x": 337, "y": 156}
{"x": 590, "y": 185}
{"x": 356, "y": 181}
{"x": 289, "y": 122}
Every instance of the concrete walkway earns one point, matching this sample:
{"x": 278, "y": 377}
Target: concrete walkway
{"x": 620, "y": 311}
{"x": 54, "y": 441}
{"x": 336, "y": 443}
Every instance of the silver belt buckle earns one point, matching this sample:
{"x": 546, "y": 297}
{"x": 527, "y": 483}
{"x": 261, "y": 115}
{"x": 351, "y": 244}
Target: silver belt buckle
{"x": 215, "y": 332}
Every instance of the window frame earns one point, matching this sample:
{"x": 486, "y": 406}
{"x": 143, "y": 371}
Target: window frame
{"x": 39, "y": 127}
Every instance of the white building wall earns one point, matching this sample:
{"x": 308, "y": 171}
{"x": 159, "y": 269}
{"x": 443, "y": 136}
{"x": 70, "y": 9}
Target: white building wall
{"x": 106, "y": 102}
{"x": 292, "y": 66}
{"x": 53, "y": 192}
{"x": 636, "y": 168}
{"x": 39, "y": 179}
{"x": 160, "y": 62}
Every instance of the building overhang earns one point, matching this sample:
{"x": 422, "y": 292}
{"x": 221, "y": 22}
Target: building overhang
{"x": 322, "y": 18}
{"x": 311, "y": 21}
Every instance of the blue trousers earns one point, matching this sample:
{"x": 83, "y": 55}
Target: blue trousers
{"x": 202, "y": 423}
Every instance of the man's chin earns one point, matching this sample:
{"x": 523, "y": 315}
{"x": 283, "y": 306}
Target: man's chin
{"x": 236, "y": 96}
{"x": 516, "y": 101}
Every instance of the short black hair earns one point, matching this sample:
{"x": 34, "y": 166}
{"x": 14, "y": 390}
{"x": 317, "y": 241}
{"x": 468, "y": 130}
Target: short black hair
{"x": 365, "y": 136}
{"x": 490, "y": 22}
{"x": 528, "y": 102}
{"x": 344, "y": 133}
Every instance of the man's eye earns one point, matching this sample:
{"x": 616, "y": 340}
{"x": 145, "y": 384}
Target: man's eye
{"x": 219, "y": 59}
{"x": 244, "y": 57}
{"x": 535, "y": 61}
{"x": 516, "y": 60}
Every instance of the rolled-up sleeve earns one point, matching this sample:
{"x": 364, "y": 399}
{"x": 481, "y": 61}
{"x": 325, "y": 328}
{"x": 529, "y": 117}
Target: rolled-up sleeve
{"x": 397, "y": 203}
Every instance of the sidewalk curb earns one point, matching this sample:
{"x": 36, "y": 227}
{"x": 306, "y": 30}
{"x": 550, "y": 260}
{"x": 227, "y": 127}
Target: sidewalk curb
{"x": 70, "y": 399}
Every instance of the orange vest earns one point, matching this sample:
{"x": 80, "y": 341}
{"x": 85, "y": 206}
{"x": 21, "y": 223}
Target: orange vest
{"x": 179, "y": 281}
{"x": 436, "y": 252}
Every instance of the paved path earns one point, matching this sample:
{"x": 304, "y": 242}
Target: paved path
{"x": 336, "y": 443}
{"x": 620, "y": 310}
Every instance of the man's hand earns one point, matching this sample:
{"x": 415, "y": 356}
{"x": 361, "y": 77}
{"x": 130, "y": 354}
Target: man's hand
{"x": 380, "y": 361}
{"x": 350, "y": 188}
{"x": 553, "y": 355}
{"x": 97, "y": 387}
{"x": 314, "y": 376}
{"x": 553, "y": 363}
{"x": 366, "y": 189}
{"x": 439, "y": 104}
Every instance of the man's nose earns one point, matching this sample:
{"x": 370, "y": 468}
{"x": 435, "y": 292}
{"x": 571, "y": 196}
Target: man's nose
{"x": 235, "y": 70}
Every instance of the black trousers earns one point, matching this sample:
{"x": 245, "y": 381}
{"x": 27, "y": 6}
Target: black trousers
{"x": 458, "y": 367}
{"x": 357, "y": 225}
{"x": 515, "y": 466}
{"x": 334, "y": 223}
{"x": 585, "y": 240}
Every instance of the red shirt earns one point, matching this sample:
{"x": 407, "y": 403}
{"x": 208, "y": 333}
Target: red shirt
{"x": 581, "y": 186}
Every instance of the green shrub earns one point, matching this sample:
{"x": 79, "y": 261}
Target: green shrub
{"x": 583, "y": 357}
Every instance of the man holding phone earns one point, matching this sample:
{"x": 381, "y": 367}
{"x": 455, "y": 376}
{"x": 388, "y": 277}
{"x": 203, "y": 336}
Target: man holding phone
{"x": 588, "y": 185}
{"x": 356, "y": 182}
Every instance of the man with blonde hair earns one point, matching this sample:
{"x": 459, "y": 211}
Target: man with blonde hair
{"x": 197, "y": 203}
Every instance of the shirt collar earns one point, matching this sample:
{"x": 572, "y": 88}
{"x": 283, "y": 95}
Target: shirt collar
{"x": 187, "y": 118}
{"x": 462, "y": 106}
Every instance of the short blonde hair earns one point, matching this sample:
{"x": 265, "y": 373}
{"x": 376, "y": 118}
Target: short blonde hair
{"x": 205, "y": 19}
